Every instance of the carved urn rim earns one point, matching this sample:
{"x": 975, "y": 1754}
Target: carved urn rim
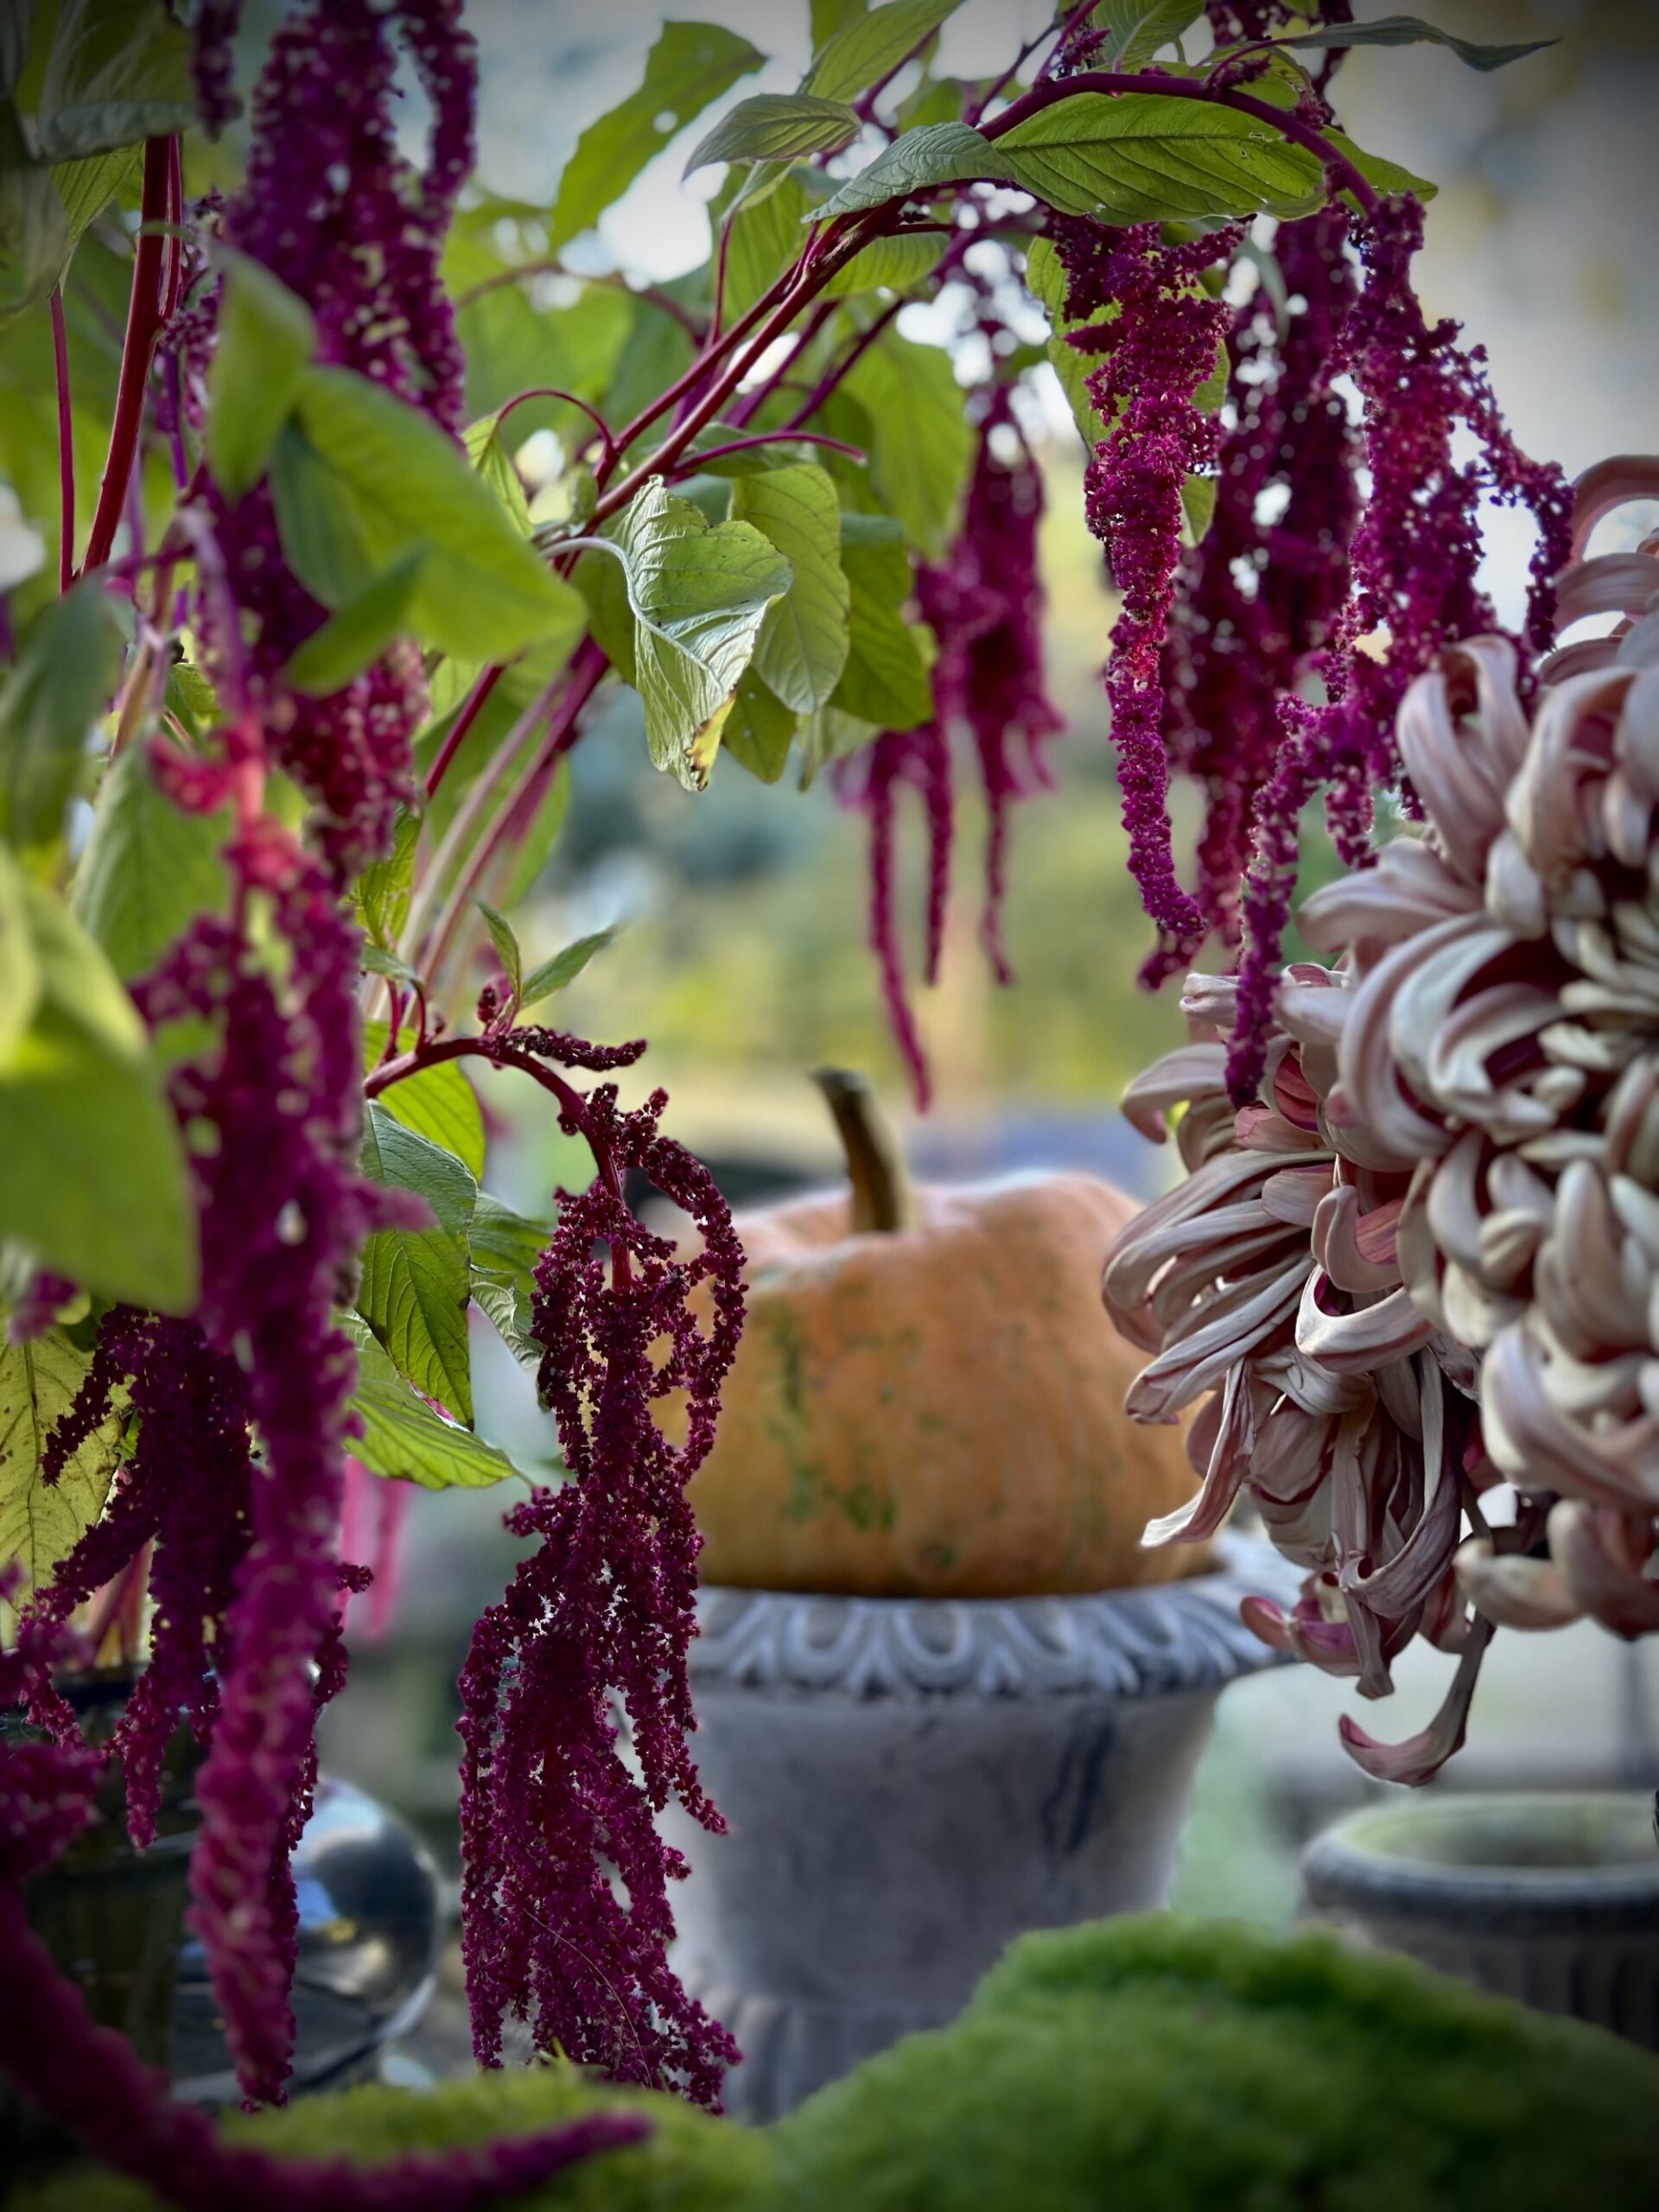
{"x": 1161, "y": 1639}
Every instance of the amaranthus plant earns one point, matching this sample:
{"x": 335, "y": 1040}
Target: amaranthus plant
{"x": 293, "y": 685}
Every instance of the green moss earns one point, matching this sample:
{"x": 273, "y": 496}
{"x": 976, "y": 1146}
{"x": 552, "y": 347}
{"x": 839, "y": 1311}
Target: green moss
{"x": 689, "y": 2163}
{"x": 1153, "y": 2065}
{"x": 1166, "y": 2066}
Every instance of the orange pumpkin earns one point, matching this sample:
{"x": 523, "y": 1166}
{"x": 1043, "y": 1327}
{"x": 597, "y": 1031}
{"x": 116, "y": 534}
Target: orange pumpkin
{"x": 929, "y": 1396}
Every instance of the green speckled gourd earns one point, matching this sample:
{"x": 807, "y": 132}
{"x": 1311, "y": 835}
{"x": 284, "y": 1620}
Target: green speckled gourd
{"x": 928, "y": 1399}
{"x": 1135, "y": 2065}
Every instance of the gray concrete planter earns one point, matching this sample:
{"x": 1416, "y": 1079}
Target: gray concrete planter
{"x": 910, "y": 1784}
{"x": 1550, "y": 1898}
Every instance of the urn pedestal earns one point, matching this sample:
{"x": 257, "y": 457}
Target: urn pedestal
{"x": 1551, "y": 1897}
{"x": 911, "y": 1784}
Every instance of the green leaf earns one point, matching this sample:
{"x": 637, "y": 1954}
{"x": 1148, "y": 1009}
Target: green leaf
{"x": 402, "y": 1436}
{"x": 763, "y": 240}
{"x": 21, "y": 981}
{"x": 486, "y": 449}
{"x": 778, "y": 127}
{"x": 118, "y": 71}
{"x": 505, "y": 1249}
{"x": 48, "y": 704}
{"x": 414, "y": 1290}
{"x": 803, "y": 644}
{"x": 832, "y": 735}
{"x": 897, "y": 264}
{"x": 919, "y": 161}
{"x": 86, "y": 186}
{"x": 699, "y": 595}
{"x": 1046, "y": 278}
{"x": 886, "y": 680}
{"x": 512, "y": 346}
{"x": 505, "y": 943}
{"x": 1411, "y": 31}
{"x": 1198, "y": 495}
{"x": 1137, "y": 157}
{"x": 438, "y": 1103}
{"x": 93, "y": 1173}
{"x": 149, "y": 868}
{"x": 690, "y": 66}
{"x": 35, "y": 236}
{"x": 382, "y": 891}
{"x": 871, "y": 47}
{"x": 360, "y": 479}
{"x": 829, "y": 16}
{"x": 1137, "y": 29}
{"x": 356, "y": 637}
{"x": 1383, "y": 175}
{"x": 922, "y": 446}
{"x": 563, "y": 967}
{"x": 759, "y": 730}
{"x": 267, "y": 337}
{"x": 41, "y": 1523}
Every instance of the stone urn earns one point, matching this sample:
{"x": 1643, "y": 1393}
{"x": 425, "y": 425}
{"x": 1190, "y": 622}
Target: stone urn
{"x": 910, "y": 1784}
{"x": 1553, "y": 1898}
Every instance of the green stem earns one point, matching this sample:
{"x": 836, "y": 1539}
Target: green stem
{"x": 883, "y": 1200}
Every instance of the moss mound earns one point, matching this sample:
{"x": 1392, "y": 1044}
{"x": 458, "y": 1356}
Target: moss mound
{"x": 1153, "y": 2065}
{"x": 1177, "y": 2066}
{"x": 689, "y": 2164}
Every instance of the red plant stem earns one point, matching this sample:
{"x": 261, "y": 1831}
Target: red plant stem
{"x": 775, "y": 437}
{"x": 144, "y": 322}
{"x": 587, "y": 666}
{"x": 463, "y": 721}
{"x": 832, "y": 377}
{"x": 553, "y": 391}
{"x": 1339, "y": 171}
{"x": 66, "y": 446}
{"x": 743, "y": 410}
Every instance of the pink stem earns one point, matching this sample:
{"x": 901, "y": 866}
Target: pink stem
{"x": 144, "y": 323}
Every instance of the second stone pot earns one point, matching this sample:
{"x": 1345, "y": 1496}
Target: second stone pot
{"x": 909, "y": 1784}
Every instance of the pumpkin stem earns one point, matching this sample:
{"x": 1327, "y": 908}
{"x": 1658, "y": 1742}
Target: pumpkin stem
{"x": 882, "y": 1199}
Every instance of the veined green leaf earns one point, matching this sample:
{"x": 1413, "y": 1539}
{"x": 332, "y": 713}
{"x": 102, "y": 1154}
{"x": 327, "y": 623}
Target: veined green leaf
{"x": 563, "y": 967}
{"x": 778, "y": 127}
{"x": 869, "y": 48}
{"x": 505, "y": 943}
{"x": 87, "y": 186}
{"x": 360, "y": 479}
{"x": 438, "y": 1103}
{"x": 118, "y": 71}
{"x": 35, "y": 235}
{"x": 1137, "y": 157}
{"x": 149, "y": 866}
{"x": 831, "y": 734}
{"x": 356, "y": 636}
{"x": 921, "y": 161}
{"x": 267, "y": 337}
{"x": 829, "y": 16}
{"x": 92, "y": 1172}
{"x": 41, "y": 1523}
{"x": 897, "y": 264}
{"x": 414, "y": 1289}
{"x": 766, "y": 236}
{"x": 690, "y": 66}
{"x": 1137, "y": 29}
{"x": 1411, "y": 31}
{"x": 922, "y": 446}
{"x": 48, "y": 703}
{"x": 402, "y": 1436}
{"x": 486, "y": 449}
{"x": 1047, "y": 280}
{"x": 759, "y": 730}
{"x": 803, "y": 644}
{"x": 699, "y": 595}
{"x": 505, "y": 1249}
{"x": 886, "y": 680}
{"x": 382, "y": 891}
